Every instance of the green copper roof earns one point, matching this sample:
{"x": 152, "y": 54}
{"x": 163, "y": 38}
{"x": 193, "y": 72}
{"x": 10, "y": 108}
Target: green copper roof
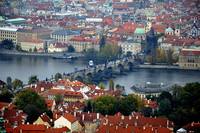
{"x": 169, "y": 29}
{"x": 16, "y": 20}
{"x": 1, "y": 18}
{"x": 139, "y": 31}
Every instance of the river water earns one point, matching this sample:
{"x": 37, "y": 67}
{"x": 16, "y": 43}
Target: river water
{"x": 23, "y": 67}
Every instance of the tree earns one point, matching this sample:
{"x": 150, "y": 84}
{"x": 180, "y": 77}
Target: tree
{"x": 71, "y": 48}
{"x": 147, "y": 111}
{"x": 9, "y": 83}
{"x": 58, "y": 99}
{"x": 6, "y": 96}
{"x": 31, "y": 103}
{"x": 18, "y": 47}
{"x": 58, "y": 76}
{"x": 101, "y": 85}
{"x": 110, "y": 51}
{"x": 106, "y": 105}
{"x": 128, "y": 104}
{"x": 91, "y": 54}
{"x": 160, "y": 55}
{"x": 129, "y": 54}
{"x": 102, "y": 41}
{"x": 33, "y": 80}
{"x": 89, "y": 106}
{"x": 7, "y": 44}
{"x": 35, "y": 49}
{"x": 111, "y": 84}
{"x": 17, "y": 84}
{"x": 165, "y": 107}
{"x": 30, "y": 50}
{"x": 169, "y": 56}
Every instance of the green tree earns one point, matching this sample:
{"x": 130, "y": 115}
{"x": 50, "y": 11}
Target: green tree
{"x": 58, "y": 76}
{"x": 89, "y": 106}
{"x": 7, "y": 44}
{"x": 165, "y": 107}
{"x": 102, "y": 41}
{"x": 58, "y": 99}
{"x": 101, "y": 85}
{"x": 128, "y": 104}
{"x": 31, "y": 103}
{"x": 17, "y": 84}
{"x": 33, "y": 80}
{"x": 129, "y": 54}
{"x": 6, "y": 96}
{"x": 91, "y": 54}
{"x": 111, "y": 84}
{"x": 71, "y": 48}
{"x": 9, "y": 83}
{"x": 35, "y": 49}
{"x": 110, "y": 51}
{"x": 30, "y": 50}
{"x": 165, "y": 95}
{"x": 106, "y": 105}
{"x": 147, "y": 111}
{"x": 18, "y": 47}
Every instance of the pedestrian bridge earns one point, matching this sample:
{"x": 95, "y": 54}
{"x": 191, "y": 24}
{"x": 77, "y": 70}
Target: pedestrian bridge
{"x": 106, "y": 70}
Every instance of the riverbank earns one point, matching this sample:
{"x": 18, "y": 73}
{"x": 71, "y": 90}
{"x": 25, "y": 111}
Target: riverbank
{"x": 17, "y": 53}
{"x": 166, "y": 67}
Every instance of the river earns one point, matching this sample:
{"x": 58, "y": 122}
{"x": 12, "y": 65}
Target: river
{"x": 22, "y": 67}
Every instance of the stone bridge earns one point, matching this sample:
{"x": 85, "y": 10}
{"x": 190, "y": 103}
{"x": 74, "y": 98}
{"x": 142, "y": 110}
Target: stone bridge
{"x": 105, "y": 71}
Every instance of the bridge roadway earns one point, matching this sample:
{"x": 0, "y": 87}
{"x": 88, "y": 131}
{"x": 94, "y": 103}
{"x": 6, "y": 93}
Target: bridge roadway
{"x": 113, "y": 67}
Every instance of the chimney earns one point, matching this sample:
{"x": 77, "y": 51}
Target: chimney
{"x": 135, "y": 123}
{"x": 130, "y": 117}
{"x": 56, "y": 116}
{"x": 74, "y": 113}
{"x": 167, "y": 123}
{"x": 122, "y": 117}
{"x": 83, "y": 117}
{"x": 97, "y": 115}
{"x": 144, "y": 127}
{"x": 42, "y": 89}
{"x": 116, "y": 127}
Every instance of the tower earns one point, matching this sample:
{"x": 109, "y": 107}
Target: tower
{"x": 151, "y": 45}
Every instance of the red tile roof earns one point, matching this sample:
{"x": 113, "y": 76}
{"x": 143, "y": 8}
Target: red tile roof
{"x": 190, "y": 52}
{"x": 70, "y": 117}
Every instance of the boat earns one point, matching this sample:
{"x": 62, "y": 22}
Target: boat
{"x": 91, "y": 63}
{"x": 60, "y": 56}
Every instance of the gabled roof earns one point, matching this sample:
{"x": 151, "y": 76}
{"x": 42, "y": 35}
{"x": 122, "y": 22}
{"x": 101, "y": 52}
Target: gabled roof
{"x": 70, "y": 117}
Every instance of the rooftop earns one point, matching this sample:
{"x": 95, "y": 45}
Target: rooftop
{"x": 139, "y": 31}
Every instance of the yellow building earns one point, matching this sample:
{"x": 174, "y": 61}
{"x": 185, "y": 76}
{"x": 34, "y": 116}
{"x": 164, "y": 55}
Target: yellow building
{"x": 44, "y": 119}
{"x": 189, "y": 59}
{"x": 82, "y": 44}
{"x": 8, "y": 33}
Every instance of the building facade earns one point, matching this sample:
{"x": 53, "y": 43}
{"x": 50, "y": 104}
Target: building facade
{"x": 189, "y": 59}
{"x": 82, "y": 44}
{"x": 8, "y": 33}
{"x": 130, "y": 46}
{"x": 64, "y": 35}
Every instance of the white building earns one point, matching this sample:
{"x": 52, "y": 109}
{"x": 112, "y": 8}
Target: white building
{"x": 130, "y": 46}
{"x": 69, "y": 121}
